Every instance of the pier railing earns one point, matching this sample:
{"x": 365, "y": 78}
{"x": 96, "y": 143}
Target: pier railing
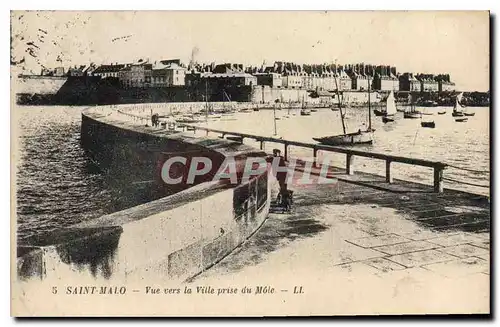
{"x": 437, "y": 166}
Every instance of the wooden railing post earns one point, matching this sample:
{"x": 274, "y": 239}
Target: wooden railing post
{"x": 286, "y": 151}
{"x": 349, "y": 169}
{"x": 438, "y": 179}
{"x": 262, "y": 145}
{"x": 315, "y": 155}
{"x": 388, "y": 176}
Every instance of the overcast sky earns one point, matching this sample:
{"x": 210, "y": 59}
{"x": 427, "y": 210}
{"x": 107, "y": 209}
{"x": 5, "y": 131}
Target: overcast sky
{"x": 427, "y": 42}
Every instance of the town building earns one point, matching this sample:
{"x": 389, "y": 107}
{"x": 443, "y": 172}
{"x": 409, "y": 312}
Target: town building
{"x": 136, "y": 75}
{"x": 292, "y": 81}
{"x": 228, "y": 68}
{"x": 385, "y": 79}
{"x": 219, "y": 80}
{"x": 427, "y": 83}
{"x": 408, "y": 82}
{"x": 105, "y": 71}
{"x": 444, "y": 83}
{"x": 168, "y": 74}
{"x": 345, "y": 82}
{"x": 360, "y": 81}
{"x": 269, "y": 79}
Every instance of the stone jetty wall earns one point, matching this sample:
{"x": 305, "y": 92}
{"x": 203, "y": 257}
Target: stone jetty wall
{"x": 174, "y": 237}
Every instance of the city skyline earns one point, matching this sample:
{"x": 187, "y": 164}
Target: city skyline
{"x": 419, "y": 42}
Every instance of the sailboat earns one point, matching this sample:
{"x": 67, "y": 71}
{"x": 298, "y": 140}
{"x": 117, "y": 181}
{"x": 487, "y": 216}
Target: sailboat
{"x": 359, "y": 137}
{"x": 457, "y": 112}
{"x": 304, "y": 111}
{"x": 412, "y": 113}
{"x": 390, "y": 108}
{"x": 466, "y": 111}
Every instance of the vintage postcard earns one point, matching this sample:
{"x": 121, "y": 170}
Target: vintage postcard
{"x": 250, "y": 163}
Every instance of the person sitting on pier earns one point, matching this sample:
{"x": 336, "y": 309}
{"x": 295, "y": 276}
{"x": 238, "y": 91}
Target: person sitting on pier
{"x": 284, "y": 195}
{"x": 155, "y": 121}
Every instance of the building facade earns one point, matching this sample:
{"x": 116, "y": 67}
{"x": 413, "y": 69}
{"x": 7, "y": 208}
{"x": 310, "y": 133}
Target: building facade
{"x": 105, "y": 71}
{"x": 408, "y": 82}
{"x": 385, "y": 79}
{"x": 294, "y": 81}
{"x": 444, "y": 83}
{"x": 428, "y": 83}
{"x": 269, "y": 79}
{"x": 136, "y": 75}
{"x": 168, "y": 75}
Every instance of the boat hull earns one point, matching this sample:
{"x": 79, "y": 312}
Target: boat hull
{"x": 388, "y": 119}
{"x": 457, "y": 114}
{"x": 364, "y": 137}
{"x": 411, "y": 115}
{"x": 441, "y": 112}
{"x": 378, "y": 112}
{"x": 428, "y": 124}
{"x": 461, "y": 120}
{"x": 469, "y": 114}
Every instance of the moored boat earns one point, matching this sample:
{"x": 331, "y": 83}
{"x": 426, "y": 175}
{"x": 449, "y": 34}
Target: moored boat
{"x": 390, "y": 109}
{"x": 388, "y": 119}
{"x": 457, "y": 108}
{"x": 461, "y": 119}
{"x": 412, "y": 115}
{"x": 357, "y": 138}
{"x": 412, "y": 112}
{"x": 429, "y": 124}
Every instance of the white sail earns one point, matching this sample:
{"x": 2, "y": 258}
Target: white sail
{"x": 390, "y": 105}
{"x": 410, "y": 99}
{"x": 457, "y": 102}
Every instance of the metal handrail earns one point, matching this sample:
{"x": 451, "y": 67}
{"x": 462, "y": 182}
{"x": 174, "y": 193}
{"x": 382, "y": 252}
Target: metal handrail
{"x": 350, "y": 153}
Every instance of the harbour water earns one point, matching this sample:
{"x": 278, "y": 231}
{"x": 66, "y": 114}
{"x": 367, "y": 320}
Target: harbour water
{"x": 58, "y": 185}
{"x": 464, "y": 145}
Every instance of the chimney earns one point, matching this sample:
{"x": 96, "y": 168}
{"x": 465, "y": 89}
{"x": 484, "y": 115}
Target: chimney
{"x": 393, "y": 71}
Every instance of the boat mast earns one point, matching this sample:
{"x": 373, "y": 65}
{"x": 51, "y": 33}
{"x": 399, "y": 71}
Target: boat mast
{"x": 206, "y": 100}
{"x": 369, "y": 107}
{"x": 274, "y": 113}
{"x": 338, "y": 101}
